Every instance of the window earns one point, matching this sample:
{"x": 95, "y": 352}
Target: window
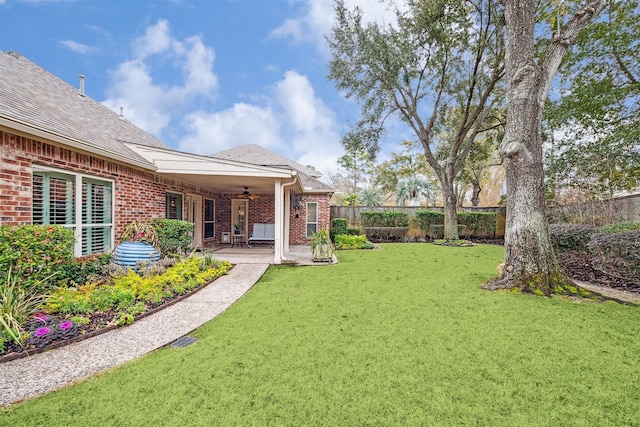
{"x": 209, "y": 215}
{"x": 312, "y": 218}
{"x": 174, "y": 206}
{"x": 88, "y": 213}
{"x": 96, "y": 212}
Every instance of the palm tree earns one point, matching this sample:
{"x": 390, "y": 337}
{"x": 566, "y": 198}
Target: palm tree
{"x": 412, "y": 189}
{"x": 371, "y": 197}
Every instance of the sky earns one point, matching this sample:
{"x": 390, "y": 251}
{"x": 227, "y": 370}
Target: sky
{"x": 201, "y": 75}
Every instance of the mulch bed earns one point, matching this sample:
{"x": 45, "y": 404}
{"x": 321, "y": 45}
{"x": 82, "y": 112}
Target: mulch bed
{"x": 100, "y": 322}
{"x": 578, "y": 266}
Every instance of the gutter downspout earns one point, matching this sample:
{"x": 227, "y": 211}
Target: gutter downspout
{"x": 282, "y": 225}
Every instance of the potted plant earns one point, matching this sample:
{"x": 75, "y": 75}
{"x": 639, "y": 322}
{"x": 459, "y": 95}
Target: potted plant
{"x": 139, "y": 243}
{"x": 236, "y": 229}
{"x": 321, "y": 247}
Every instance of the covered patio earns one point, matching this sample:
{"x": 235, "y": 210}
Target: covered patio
{"x": 227, "y": 179}
{"x": 297, "y": 255}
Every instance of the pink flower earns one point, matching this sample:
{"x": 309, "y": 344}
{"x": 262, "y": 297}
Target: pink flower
{"x": 41, "y": 317}
{"x": 40, "y": 332}
{"x": 66, "y": 325}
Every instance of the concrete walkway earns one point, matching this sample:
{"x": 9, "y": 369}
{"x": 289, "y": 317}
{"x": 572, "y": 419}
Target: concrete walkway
{"x": 41, "y": 373}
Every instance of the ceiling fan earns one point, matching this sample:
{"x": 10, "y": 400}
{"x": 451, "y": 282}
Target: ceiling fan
{"x": 247, "y": 195}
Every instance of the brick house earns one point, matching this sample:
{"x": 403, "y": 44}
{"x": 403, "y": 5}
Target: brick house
{"x": 66, "y": 159}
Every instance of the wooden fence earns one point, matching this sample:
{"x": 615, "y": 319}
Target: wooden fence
{"x": 352, "y": 213}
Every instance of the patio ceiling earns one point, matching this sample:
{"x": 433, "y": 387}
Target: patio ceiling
{"x": 218, "y": 175}
{"x": 227, "y": 184}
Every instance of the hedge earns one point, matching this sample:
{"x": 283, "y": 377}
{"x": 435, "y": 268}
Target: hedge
{"x": 476, "y": 223}
{"x": 338, "y": 227}
{"x": 353, "y": 231}
{"x": 384, "y": 219}
{"x": 344, "y": 241}
{"x": 427, "y": 218}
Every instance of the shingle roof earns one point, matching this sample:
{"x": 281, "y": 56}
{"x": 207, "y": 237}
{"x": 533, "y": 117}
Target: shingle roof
{"x": 31, "y": 95}
{"x": 252, "y": 153}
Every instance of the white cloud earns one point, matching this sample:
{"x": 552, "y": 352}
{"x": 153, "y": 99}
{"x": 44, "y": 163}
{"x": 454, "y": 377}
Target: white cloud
{"x": 317, "y": 17}
{"x": 313, "y": 127}
{"x": 151, "y": 104}
{"x": 238, "y": 125}
{"x": 75, "y": 46}
{"x": 293, "y": 122}
{"x": 287, "y": 117}
{"x": 155, "y": 40}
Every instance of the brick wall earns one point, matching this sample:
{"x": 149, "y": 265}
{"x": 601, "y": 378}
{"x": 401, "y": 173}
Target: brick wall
{"x": 138, "y": 194}
{"x": 299, "y": 225}
{"x": 262, "y": 211}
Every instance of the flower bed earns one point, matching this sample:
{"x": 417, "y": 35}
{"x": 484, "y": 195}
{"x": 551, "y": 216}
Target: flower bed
{"x": 71, "y": 313}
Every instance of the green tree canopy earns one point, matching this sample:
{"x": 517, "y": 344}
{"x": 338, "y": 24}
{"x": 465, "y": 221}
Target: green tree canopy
{"x": 439, "y": 57}
{"x": 593, "y": 130}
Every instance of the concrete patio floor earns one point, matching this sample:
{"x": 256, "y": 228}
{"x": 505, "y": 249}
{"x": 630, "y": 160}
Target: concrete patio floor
{"x": 298, "y": 255}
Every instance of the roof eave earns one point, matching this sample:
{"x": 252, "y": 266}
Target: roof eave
{"x": 26, "y": 128}
{"x": 153, "y": 155}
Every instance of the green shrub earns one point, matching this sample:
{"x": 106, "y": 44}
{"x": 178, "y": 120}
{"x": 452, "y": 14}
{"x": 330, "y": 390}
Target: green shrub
{"x": 129, "y": 289}
{"x": 35, "y": 252}
{"x": 338, "y": 226}
{"x": 571, "y": 237}
{"x": 621, "y": 226}
{"x": 384, "y": 219}
{"x": 386, "y": 234}
{"x": 78, "y": 271}
{"x": 427, "y": 218}
{"x": 344, "y": 241}
{"x": 478, "y": 223}
{"x": 174, "y": 235}
{"x": 436, "y": 231}
{"x": 353, "y": 231}
{"x": 617, "y": 254}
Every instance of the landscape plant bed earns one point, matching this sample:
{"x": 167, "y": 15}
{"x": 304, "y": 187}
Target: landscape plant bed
{"x": 460, "y": 243}
{"x": 73, "y": 313}
{"x": 99, "y": 323}
{"x": 576, "y": 265}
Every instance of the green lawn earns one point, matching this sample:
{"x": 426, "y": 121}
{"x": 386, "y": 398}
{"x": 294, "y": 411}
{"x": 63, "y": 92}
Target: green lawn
{"x": 398, "y": 336}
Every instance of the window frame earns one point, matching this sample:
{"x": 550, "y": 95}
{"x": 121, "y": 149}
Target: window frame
{"x": 311, "y": 223}
{"x": 179, "y": 209}
{"x": 212, "y": 221}
{"x": 78, "y": 225}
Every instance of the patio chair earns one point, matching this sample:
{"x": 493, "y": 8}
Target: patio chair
{"x": 262, "y": 233}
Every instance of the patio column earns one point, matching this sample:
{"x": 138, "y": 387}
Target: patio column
{"x": 277, "y": 244}
{"x": 287, "y": 219}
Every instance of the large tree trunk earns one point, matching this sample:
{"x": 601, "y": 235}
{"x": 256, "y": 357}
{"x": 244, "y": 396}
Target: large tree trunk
{"x": 530, "y": 263}
{"x": 529, "y": 259}
{"x": 450, "y": 205}
{"x": 477, "y": 189}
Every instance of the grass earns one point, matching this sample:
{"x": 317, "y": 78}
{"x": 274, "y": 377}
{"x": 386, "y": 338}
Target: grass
{"x": 400, "y": 336}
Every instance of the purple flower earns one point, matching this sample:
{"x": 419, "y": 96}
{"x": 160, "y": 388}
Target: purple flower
{"x": 40, "y": 332}
{"x": 66, "y": 325}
